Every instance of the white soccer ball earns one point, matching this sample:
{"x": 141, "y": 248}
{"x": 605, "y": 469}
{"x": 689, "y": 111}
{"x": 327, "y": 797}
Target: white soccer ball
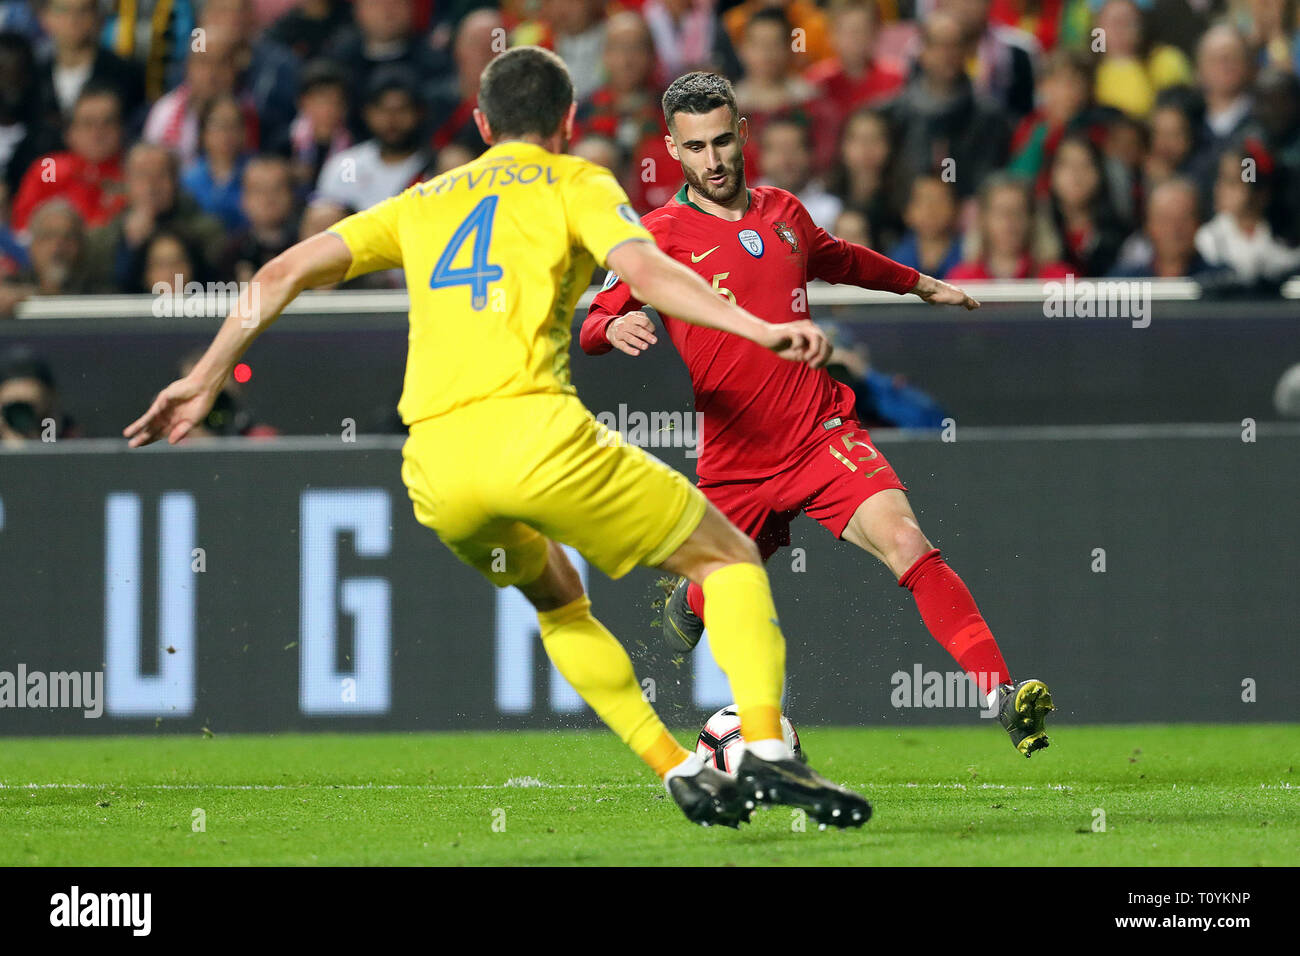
{"x": 720, "y": 744}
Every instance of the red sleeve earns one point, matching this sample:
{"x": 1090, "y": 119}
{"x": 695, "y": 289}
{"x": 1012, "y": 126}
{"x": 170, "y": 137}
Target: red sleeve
{"x": 612, "y": 301}
{"x": 834, "y": 260}
{"x": 615, "y": 298}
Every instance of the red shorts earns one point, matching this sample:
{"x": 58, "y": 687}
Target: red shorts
{"x": 828, "y": 483}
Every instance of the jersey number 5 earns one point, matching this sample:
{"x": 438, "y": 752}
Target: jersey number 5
{"x": 479, "y": 273}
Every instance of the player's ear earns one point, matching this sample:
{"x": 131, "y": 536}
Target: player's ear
{"x": 672, "y": 147}
{"x": 567, "y": 125}
{"x": 742, "y": 130}
{"x": 483, "y": 129}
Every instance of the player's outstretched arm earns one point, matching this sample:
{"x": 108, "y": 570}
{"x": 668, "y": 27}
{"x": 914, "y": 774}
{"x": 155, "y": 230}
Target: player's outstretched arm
{"x": 320, "y": 260}
{"x": 674, "y": 289}
{"x": 937, "y": 292}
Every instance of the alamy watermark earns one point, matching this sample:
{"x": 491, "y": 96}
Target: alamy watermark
{"x": 78, "y": 690}
{"x": 181, "y": 299}
{"x": 1102, "y": 299}
{"x": 953, "y": 689}
{"x": 654, "y": 429}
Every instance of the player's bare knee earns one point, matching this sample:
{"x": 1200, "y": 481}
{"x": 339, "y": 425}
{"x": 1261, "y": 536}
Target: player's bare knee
{"x": 905, "y": 544}
{"x": 558, "y": 584}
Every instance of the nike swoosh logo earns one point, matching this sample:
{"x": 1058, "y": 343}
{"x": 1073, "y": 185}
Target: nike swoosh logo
{"x": 695, "y": 258}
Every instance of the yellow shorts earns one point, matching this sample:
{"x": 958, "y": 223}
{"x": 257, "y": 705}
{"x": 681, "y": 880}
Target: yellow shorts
{"x": 496, "y": 478}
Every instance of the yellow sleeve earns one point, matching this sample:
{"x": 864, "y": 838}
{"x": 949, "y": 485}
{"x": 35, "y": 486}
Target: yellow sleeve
{"x": 600, "y": 216}
{"x": 371, "y": 237}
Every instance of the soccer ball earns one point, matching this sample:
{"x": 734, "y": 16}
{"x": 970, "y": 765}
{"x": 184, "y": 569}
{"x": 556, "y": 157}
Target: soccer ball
{"x": 720, "y": 744}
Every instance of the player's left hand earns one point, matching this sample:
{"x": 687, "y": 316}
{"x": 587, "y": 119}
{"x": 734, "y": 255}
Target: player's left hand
{"x": 177, "y": 409}
{"x": 937, "y": 292}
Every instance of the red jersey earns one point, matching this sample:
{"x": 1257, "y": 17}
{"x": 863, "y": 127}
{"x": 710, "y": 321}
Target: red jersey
{"x": 760, "y": 412}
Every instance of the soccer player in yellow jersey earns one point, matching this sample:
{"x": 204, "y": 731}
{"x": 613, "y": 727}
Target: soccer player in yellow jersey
{"x": 504, "y": 462}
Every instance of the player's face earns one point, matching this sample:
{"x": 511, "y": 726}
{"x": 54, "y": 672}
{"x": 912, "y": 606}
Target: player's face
{"x": 709, "y": 147}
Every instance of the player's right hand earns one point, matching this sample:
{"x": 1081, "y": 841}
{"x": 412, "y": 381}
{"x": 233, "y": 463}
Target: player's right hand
{"x": 799, "y": 341}
{"x": 631, "y": 333}
{"x": 177, "y": 409}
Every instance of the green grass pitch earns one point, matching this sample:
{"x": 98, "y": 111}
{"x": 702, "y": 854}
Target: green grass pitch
{"x": 1170, "y": 795}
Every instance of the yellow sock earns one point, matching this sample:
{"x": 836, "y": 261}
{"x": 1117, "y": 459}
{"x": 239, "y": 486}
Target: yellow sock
{"x": 599, "y": 669}
{"x": 747, "y": 644}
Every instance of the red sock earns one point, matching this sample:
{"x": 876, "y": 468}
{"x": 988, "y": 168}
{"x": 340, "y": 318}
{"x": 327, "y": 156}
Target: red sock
{"x": 949, "y": 611}
{"x": 695, "y": 598}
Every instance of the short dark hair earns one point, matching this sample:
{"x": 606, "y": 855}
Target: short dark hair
{"x": 525, "y": 91}
{"x": 322, "y": 74}
{"x": 698, "y": 93}
{"x": 391, "y": 78}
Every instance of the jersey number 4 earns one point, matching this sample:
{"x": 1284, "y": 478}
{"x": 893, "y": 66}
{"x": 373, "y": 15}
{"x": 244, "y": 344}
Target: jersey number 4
{"x": 479, "y": 273}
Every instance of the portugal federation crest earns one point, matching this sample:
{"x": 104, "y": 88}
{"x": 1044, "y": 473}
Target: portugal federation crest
{"x": 752, "y": 242}
{"x": 785, "y": 232}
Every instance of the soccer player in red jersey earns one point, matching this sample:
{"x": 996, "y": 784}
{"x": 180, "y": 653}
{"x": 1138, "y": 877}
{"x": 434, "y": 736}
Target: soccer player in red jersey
{"x": 781, "y": 438}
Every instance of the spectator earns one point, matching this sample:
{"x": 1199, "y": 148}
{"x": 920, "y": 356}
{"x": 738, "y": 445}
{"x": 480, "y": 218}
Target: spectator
{"x": 931, "y": 243}
{"x": 770, "y": 89}
{"x": 1064, "y": 105}
{"x": 1273, "y": 29}
{"x": 55, "y": 257}
{"x": 213, "y": 179}
{"x": 383, "y": 35}
{"x": 310, "y": 26}
{"x": 321, "y": 128}
{"x": 268, "y": 205}
{"x": 266, "y": 72}
{"x": 75, "y": 58}
{"x": 865, "y": 175}
{"x": 1166, "y": 249}
{"x": 626, "y": 109}
{"x": 688, "y": 36}
{"x": 168, "y": 265}
{"x": 882, "y": 399}
{"x": 154, "y": 202}
{"x": 173, "y": 120}
{"x": 392, "y": 159}
{"x": 478, "y": 41}
{"x": 600, "y": 150}
{"x": 29, "y": 401}
{"x": 28, "y": 124}
{"x": 1003, "y": 57}
{"x": 1080, "y": 211}
{"x": 941, "y": 118}
{"x": 1125, "y": 153}
{"x": 89, "y": 173}
{"x": 1132, "y": 70}
{"x": 769, "y": 85}
{"x": 157, "y": 35}
{"x": 1277, "y": 107}
{"x": 1239, "y": 236}
{"x": 854, "y": 76}
{"x": 787, "y": 161}
{"x": 1223, "y": 66}
{"x": 1004, "y": 245}
{"x": 852, "y": 225}
{"x": 576, "y": 30}
{"x": 1174, "y": 123}
{"x": 801, "y": 15}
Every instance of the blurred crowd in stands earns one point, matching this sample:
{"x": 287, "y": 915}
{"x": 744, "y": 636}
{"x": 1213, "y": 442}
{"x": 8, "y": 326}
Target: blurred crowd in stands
{"x": 146, "y": 141}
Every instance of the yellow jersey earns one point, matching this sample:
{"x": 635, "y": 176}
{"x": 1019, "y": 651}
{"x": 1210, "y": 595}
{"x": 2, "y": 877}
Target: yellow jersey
{"x": 496, "y": 254}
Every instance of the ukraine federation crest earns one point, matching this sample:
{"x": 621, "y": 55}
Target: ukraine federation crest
{"x": 752, "y": 242}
